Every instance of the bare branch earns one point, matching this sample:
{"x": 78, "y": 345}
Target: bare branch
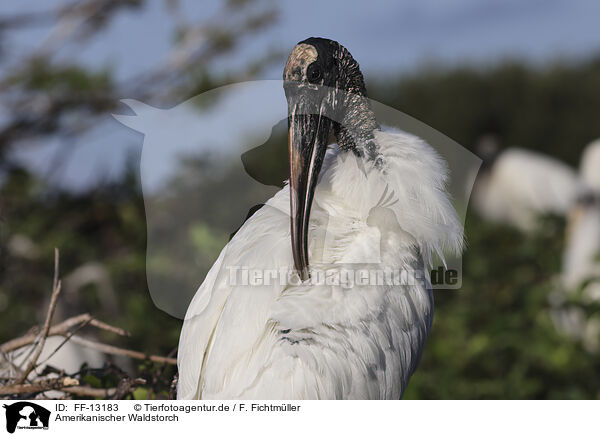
{"x": 126, "y": 386}
{"x": 49, "y": 384}
{"x": 88, "y": 391}
{"x": 62, "y": 329}
{"x": 110, "y": 349}
{"x": 38, "y": 350}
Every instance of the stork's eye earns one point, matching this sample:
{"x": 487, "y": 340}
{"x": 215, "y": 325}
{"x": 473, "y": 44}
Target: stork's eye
{"x": 313, "y": 73}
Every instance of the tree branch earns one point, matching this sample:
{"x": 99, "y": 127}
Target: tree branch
{"x": 40, "y": 386}
{"x": 62, "y": 329}
{"x": 56, "y": 287}
{"x": 110, "y": 349}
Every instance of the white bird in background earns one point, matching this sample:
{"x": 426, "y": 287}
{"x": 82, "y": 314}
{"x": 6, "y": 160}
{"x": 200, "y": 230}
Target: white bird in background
{"x": 583, "y": 230}
{"x": 581, "y": 260}
{"x": 516, "y": 186}
{"x": 62, "y": 355}
{"x": 377, "y": 195}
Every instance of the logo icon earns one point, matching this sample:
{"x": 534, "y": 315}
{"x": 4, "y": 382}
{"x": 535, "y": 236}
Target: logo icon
{"x": 26, "y": 415}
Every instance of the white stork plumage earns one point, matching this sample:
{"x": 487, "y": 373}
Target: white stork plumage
{"x": 581, "y": 261}
{"x": 520, "y": 185}
{"x": 378, "y": 194}
{"x": 581, "y": 258}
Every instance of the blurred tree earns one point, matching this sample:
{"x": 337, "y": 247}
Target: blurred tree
{"x": 49, "y": 94}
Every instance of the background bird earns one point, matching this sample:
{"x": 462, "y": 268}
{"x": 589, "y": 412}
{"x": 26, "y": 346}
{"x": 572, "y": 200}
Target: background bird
{"x": 323, "y": 341}
{"x": 57, "y": 352}
{"x": 583, "y": 231}
{"x": 516, "y": 186}
{"x": 581, "y": 258}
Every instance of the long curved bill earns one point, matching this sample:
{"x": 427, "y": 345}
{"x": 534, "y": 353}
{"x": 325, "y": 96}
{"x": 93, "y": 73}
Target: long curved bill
{"x": 307, "y": 139}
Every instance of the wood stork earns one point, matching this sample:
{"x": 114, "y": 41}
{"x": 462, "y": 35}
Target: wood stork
{"x": 516, "y": 186}
{"x": 582, "y": 249}
{"x": 581, "y": 258}
{"x": 374, "y": 191}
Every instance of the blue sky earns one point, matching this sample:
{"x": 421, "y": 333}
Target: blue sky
{"x": 386, "y": 38}
{"x": 382, "y": 35}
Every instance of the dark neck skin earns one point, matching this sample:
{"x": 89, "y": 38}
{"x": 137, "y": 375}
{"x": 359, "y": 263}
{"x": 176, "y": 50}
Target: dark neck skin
{"x": 355, "y": 131}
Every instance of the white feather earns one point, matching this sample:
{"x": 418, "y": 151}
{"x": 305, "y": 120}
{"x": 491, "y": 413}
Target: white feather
{"x": 580, "y": 262}
{"x": 522, "y": 185}
{"x": 581, "y": 265}
{"x": 325, "y": 341}
{"x": 590, "y": 166}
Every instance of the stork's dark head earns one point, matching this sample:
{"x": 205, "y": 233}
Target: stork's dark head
{"x": 325, "y": 91}
{"x": 324, "y": 62}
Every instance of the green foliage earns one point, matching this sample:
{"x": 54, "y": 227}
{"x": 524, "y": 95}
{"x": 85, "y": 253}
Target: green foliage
{"x": 494, "y": 338}
{"x": 140, "y": 394}
{"x": 64, "y": 80}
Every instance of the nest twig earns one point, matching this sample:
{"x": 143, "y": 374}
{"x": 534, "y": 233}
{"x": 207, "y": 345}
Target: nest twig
{"x": 22, "y": 384}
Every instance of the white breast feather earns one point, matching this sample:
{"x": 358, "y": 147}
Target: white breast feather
{"x": 318, "y": 341}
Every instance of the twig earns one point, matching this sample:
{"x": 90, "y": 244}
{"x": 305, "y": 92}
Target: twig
{"x": 56, "y": 286}
{"x": 64, "y": 341}
{"x": 126, "y": 386}
{"x": 110, "y": 349}
{"x": 80, "y": 391}
{"x": 101, "y": 325}
{"x": 51, "y": 384}
{"x": 88, "y": 391}
{"x": 8, "y": 360}
{"x": 79, "y": 327}
{"x": 173, "y": 389}
{"x": 68, "y": 330}
{"x": 156, "y": 376}
{"x": 70, "y": 385}
{"x": 61, "y": 329}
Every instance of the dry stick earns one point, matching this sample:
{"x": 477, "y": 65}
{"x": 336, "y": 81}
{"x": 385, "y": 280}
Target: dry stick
{"x": 41, "y": 386}
{"x": 56, "y": 286}
{"x": 64, "y": 341}
{"x": 35, "y": 388}
{"x": 126, "y": 386}
{"x": 69, "y": 385}
{"x": 87, "y": 391}
{"x": 82, "y": 391}
{"x": 34, "y": 330}
{"x": 102, "y": 325}
{"x": 158, "y": 373}
{"x": 110, "y": 349}
{"x": 61, "y": 329}
{"x": 90, "y": 320}
{"x": 39, "y": 338}
{"x": 8, "y": 359}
